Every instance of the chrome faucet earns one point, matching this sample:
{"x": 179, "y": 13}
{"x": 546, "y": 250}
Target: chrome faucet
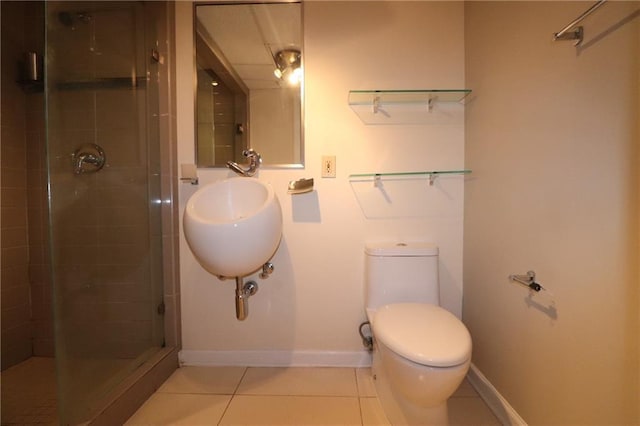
{"x": 254, "y": 162}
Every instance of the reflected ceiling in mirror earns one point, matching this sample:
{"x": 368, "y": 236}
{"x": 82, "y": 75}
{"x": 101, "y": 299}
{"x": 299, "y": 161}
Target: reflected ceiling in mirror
{"x": 247, "y": 59}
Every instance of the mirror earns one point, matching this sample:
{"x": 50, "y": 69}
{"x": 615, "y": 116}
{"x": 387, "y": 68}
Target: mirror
{"x": 246, "y": 57}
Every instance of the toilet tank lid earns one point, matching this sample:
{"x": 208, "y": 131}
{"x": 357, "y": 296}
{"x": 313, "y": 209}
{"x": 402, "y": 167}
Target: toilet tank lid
{"x": 401, "y": 249}
{"x": 423, "y": 333}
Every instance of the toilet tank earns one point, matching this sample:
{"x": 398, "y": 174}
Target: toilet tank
{"x": 400, "y": 273}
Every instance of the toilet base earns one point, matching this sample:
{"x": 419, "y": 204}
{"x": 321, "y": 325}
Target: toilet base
{"x": 402, "y": 393}
{"x": 399, "y": 412}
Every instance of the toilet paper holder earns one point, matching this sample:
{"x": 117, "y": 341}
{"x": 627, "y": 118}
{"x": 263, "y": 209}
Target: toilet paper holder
{"x": 528, "y": 280}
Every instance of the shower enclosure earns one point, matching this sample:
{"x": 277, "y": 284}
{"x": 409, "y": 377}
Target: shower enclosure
{"x": 98, "y": 196}
{"x": 104, "y": 196}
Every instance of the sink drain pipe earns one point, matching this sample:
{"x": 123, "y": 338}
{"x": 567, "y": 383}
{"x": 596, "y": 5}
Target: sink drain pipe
{"x": 243, "y": 292}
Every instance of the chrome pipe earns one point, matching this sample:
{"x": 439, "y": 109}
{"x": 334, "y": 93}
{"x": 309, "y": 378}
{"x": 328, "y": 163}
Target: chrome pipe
{"x": 242, "y": 307}
{"x": 367, "y": 341}
{"x": 243, "y": 292}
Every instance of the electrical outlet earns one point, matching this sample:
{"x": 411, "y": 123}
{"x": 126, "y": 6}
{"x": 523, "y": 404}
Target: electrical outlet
{"x": 328, "y": 166}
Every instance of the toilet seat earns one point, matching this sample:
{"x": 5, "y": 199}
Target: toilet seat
{"x": 423, "y": 333}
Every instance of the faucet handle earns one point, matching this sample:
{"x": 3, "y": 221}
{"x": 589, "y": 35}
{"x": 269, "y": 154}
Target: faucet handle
{"x": 252, "y": 155}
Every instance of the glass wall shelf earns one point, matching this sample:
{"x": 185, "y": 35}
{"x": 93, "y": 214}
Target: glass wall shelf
{"x": 425, "y": 106}
{"x": 376, "y": 178}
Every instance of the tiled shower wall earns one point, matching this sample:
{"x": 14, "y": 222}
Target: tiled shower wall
{"x": 26, "y": 289}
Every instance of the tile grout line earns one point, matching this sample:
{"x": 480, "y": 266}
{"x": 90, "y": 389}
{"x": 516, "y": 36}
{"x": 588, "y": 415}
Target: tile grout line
{"x": 355, "y": 376}
{"x": 356, "y": 396}
{"x": 233, "y": 395}
{"x": 298, "y": 395}
{"x": 246, "y": 370}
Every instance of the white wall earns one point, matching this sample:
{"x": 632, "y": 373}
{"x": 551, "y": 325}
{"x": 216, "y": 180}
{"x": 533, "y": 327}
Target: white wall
{"x": 309, "y": 310}
{"x": 553, "y": 140}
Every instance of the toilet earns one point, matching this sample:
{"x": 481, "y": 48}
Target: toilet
{"x": 421, "y": 352}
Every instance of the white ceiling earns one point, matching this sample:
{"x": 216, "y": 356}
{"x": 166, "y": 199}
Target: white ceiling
{"x": 249, "y": 34}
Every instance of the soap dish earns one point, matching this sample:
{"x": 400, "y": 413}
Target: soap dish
{"x": 300, "y": 186}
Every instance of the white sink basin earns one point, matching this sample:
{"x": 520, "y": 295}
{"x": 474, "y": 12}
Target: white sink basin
{"x": 233, "y": 226}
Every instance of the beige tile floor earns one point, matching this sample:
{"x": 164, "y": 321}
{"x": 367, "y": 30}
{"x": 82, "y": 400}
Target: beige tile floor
{"x": 283, "y": 396}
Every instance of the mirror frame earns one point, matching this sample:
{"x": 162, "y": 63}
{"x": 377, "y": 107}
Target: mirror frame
{"x": 196, "y": 3}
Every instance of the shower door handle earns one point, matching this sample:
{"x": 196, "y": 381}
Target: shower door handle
{"x": 88, "y": 158}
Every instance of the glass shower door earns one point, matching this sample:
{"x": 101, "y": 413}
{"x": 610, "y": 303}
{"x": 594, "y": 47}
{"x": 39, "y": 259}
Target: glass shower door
{"x": 104, "y": 197}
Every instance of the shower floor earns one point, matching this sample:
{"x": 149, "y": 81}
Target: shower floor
{"x": 29, "y": 393}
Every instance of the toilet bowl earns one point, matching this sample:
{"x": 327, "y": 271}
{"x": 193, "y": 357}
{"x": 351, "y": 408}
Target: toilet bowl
{"x": 421, "y": 351}
{"x": 421, "y": 355}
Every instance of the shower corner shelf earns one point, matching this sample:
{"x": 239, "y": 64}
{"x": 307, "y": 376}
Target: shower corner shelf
{"x": 414, "y": 106}
{"x": 376, "y": 178}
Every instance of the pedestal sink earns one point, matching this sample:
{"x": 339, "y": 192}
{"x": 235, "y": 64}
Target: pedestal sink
{"x": 233, "y": 226}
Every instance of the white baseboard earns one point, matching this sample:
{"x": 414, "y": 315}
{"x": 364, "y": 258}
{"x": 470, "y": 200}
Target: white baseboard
{"x": 275, "y": 358}
{"x": 505, "y": 413}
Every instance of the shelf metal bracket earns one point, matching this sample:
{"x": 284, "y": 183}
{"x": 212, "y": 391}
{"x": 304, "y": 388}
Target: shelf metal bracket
{"x": 432, "y": 178}
{"x": 576, "y": 34}
{"x": 376, "y": 104}
{"x": 432, "y": 100}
